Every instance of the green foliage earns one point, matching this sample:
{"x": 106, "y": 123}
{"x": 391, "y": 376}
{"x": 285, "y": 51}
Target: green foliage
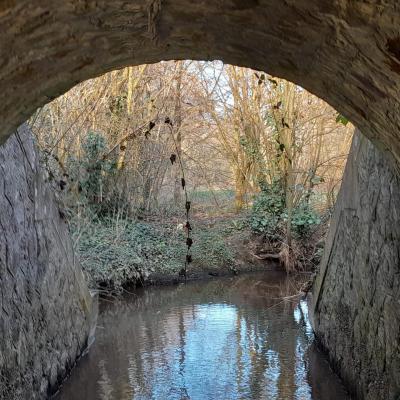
{"x": 304, "y": 218}
{"x": 268, "y": 210}
{"x": 251, "y": 149}
{"x": 94, "y": 173}
{"x": 210, "y": 248}
{"x": 341, "y": 119}
{"x": 269, "y": 214}
{"x": 97, "y": 168}
{"x": 116, "y": 253}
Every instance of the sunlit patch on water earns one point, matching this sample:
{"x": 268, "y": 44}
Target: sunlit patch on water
{"x": 225, "y": 339}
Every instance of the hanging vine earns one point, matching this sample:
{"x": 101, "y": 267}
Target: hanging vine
{"x": 187, "y": 226}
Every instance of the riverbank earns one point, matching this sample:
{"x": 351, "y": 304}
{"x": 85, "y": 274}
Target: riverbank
{"x": 129, "y": 253}
{"x": 244, "y": 263}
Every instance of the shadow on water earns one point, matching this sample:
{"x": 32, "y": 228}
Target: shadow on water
{"x": 231, "y": 338}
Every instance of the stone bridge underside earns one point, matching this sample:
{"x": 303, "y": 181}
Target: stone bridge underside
{"x": 346, "y": 52}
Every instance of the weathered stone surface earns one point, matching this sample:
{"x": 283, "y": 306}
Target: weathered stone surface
{"x": 45, "y": 308}
{"x": 346, "y": 52}
{"x": 356, "y": 295}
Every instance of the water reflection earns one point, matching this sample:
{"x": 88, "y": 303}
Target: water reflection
{"x": 232, "y": 338}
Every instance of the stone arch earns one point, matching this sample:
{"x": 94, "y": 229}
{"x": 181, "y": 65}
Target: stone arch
{"x": 347, "y": 53}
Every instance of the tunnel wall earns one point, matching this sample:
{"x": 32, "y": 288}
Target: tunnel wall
{"x": 357, "y": 292}
{"x": 46, "y": 312}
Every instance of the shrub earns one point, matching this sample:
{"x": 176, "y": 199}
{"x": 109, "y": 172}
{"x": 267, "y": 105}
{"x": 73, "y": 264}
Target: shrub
{"x": 267, "y": 211}
{"x": 304, "y": 218}
{"x": 269, "y": 214}
{"x": 115, "y": 253}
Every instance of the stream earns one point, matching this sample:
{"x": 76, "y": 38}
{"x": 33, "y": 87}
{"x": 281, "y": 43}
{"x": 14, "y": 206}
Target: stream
{"x": 223, "y": 339}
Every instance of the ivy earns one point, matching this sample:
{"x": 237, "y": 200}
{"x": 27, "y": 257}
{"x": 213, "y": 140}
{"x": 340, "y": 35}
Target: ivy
{"x": 341, "y": 119}
{"x": 269, "y": 214}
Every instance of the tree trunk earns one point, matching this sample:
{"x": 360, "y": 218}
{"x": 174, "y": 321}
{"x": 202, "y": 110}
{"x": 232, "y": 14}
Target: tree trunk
{"x": 178, "y": 133}
{"x": 124, "y": 144}
{"x": 240, "y": 189}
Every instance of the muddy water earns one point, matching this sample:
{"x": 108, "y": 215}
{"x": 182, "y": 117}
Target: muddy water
{"x": 231, "y": 338}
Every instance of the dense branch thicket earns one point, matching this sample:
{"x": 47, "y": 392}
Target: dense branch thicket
{"x": 247, "y": 142}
